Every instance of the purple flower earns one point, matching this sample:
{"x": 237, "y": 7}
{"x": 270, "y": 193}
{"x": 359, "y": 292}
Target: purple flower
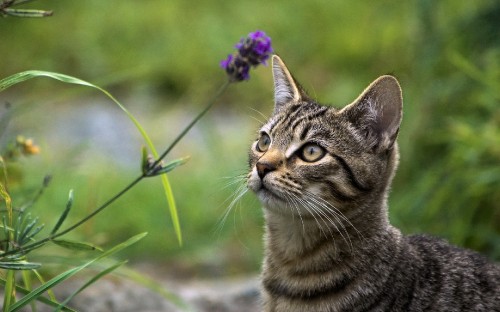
{"x": 225, "y": 63}
{"x": 253, "y": 50}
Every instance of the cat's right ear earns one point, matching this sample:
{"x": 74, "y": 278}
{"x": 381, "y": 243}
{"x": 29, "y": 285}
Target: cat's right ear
{"x": 377, "y": 113}
{"x": 286, "y": 89}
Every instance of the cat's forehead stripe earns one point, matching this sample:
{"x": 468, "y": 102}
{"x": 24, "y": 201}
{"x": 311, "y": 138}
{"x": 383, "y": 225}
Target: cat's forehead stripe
{"x": 286, "y": 117}
{"x": 304, "y": 132}
{"x": 289, "y": 119}
{"x": 308, "y": 117}
{"x": 273, "y": 122}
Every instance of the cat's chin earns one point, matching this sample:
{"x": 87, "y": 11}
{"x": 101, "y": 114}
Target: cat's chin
{"x": 268, "y": 198}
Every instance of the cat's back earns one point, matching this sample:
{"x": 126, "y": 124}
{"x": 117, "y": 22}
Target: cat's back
{"x": 448, "y": 278}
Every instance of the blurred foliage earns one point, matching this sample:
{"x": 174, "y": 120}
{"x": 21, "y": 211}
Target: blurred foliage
{"x": 450, "y": 175}
{"x": 161, "y": 57}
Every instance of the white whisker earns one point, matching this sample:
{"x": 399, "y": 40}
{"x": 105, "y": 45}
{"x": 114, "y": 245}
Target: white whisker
{"x": 234, "y": 199}
{"x": 291, "y": 198}
{"x": 260, "y": 113}
{"x": 335, "y": 211}
{"x": 313, "y": 212}
{"x": 339, "y": 217}
{"x": 323, "y": 216}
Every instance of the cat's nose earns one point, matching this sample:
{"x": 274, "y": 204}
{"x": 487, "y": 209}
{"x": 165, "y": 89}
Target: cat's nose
{"x": 264, "y": 167}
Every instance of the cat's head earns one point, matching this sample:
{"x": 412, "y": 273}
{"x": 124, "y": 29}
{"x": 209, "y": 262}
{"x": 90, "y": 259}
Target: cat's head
{"x": 309, "y": 157}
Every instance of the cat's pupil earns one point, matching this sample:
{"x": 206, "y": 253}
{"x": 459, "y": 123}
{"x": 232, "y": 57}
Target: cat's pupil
{"x": 312, "y": 152}
{"x": 263, "y": 143}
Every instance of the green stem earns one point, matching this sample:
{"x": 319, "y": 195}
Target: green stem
{"x": 130, "y": 185}
{"x": 193, "y": 122}
{"x": 9, "y": 295}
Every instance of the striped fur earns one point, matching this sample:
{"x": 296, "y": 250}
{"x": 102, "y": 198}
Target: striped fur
{"x": 323, "y": 175}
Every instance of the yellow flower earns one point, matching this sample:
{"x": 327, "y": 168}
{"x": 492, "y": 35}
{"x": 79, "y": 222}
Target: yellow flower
{"x": 28, "y": 147}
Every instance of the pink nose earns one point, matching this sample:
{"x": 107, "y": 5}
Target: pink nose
{"x": 264, "y": 168}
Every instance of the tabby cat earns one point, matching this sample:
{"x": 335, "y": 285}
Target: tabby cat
{"x": 323, "y": 175}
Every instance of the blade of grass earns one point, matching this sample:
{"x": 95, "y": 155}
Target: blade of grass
{"x": 8, "y": 205}
{"x": 27, "y": 284}
{"x": 26, "y": 75}
{"x": 33, "y": 295}
{"x": 65, "y": 213}
{"x": 141, "y": 279}
{"x": 47, "y": 301}
{"x": 78, "y": 246}
{"x": 40, "y": 278}
{"x": 90, "y": 282}
{"x": 9, "y": 292}
{"x": 167, "y": 189}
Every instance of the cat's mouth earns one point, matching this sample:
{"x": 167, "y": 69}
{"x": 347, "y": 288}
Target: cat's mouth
{"x": 269, "y": 197}
{"x": 265, "y": 191}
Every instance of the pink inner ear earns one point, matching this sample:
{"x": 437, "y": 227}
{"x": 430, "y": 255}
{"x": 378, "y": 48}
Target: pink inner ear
{"x": 378, "y": 111}
{"x": 284, "y": 86}
{"x": 390, "y": 117}
{"x": 387, "y": 104}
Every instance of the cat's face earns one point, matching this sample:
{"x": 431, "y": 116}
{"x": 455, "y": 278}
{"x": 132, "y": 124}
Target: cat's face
{"x": 309, "y": 159}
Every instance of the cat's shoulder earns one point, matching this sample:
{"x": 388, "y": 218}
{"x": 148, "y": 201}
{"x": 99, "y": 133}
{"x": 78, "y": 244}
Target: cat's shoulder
{"x": 436, "y": 245}
{"x": 431, "y": 247}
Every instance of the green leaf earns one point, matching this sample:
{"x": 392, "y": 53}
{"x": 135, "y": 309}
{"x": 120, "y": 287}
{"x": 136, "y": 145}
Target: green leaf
{"x": 23, "y": 251}
{"x": 40, "y": 278}
{"x": 33, "y": 295}
{"x": 47, "y": 301}
{"x": 65, "y": 213}
{"x": 171, "y": 166}
{"x": 19, "y": 265}
{"x": 171, "y": 203}
{"x": 90, "y": 282}
{"x": 27, "y": 284}
{"x": 25, "y": 238}
{"x": 23, "y": 76}
{"x": 72, "y": 245}
{"x": 144, "y": 161}
{"x": 27, "y": 13}
{"x": 4, "y": 194}
{"x": 25, "y": 235}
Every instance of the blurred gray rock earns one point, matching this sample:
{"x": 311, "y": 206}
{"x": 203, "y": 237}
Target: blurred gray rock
{"x": 119, "y": 295}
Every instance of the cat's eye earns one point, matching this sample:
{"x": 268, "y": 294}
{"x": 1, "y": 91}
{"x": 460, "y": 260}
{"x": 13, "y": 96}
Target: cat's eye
{"x": 263, "y": 143}
{"x": 311, "y": 152}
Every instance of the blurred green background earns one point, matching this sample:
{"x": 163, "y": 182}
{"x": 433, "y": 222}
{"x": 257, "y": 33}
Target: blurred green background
{"x": 160, "y": 59}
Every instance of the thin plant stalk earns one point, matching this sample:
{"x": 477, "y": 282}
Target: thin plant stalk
{"x": 130, "y": 185}
{"x": 193, "y": 122}
{"x": 9, "y": 295}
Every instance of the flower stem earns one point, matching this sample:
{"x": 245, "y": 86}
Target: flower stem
{"x": 129, "y": 186}
{"x": 193, "y": 122}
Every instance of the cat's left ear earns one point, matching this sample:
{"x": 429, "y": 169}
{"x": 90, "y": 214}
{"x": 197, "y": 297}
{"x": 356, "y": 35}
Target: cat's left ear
{"x": 286, "y": 89}
{"x": 377, "y": 113}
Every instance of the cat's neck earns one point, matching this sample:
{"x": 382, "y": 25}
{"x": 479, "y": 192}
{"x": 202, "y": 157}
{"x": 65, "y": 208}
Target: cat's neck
{"x": 290, "y": 237}
{"x": 301, "y": 262}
